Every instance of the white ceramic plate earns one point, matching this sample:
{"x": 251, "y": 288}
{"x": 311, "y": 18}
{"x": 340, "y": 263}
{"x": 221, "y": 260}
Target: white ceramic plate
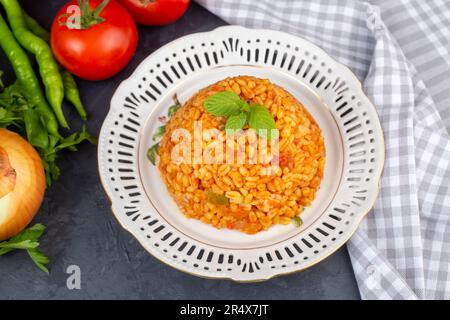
{"x": 331, "y": 93}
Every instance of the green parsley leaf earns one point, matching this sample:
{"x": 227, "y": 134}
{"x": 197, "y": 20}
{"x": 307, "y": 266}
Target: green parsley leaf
{"x": 176, "y": 105}
{"x": 24, "y": 240}
{"x": 152, "y": 153}
{"x": 50, "y": 154}
{"x": 159, "y": 133}
{"x": 173, "y": 109}
{"x": 32, "y": 233}
{"x": 75, "y": 139}
{"x": 236, "y": 122}
{"x": 223, "y": 104}
{"x": 3, "y": 114}
{"x": 39, "y": 259}
{"x": 9, "y": 118}
{"x": 37, "y": 133}
{"x": 216, "y": 198}
{"x": 27, "y": 240}
{"x": 13, "y": 104}
{"x": 25, "y": 244}
{"x": 17, "y": 113}
{"x": 297, "y": 221}
{"x": 261, "y": 120}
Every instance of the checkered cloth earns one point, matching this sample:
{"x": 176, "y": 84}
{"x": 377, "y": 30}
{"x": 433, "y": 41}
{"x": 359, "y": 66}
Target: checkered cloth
{"x": 400, "y": 50}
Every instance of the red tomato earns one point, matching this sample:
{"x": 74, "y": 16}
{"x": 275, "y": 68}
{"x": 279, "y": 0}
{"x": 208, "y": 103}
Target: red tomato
{"x": 155, "y": 12}
{"x": 100, "y": 50}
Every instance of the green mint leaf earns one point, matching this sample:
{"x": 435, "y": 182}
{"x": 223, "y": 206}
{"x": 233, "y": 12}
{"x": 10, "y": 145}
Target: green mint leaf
{"x": 223, "y": 104}
{"x": 39, "y": 259}
{"x": 152, "y": 153}
{"x": 159, "y": 133}
{"x": 245, "y": 106}
{"x": 261, "y": 120}
{"x": 297, "y": 221}
{"x": 236, "y": 122}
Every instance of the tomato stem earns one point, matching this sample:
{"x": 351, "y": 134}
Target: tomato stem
{"x": 88, "y": 17}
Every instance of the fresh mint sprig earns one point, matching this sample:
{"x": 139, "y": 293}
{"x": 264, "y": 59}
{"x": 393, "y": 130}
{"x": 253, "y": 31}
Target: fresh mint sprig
{"x": 261, "y": 120}
{"x": 239, "y": 113}
{"x": 224, "y": 104}
{"x": 236, "y": 122}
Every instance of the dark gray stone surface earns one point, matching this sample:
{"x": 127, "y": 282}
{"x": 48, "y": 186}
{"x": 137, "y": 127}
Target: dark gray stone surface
{"x": 82, "y": 230}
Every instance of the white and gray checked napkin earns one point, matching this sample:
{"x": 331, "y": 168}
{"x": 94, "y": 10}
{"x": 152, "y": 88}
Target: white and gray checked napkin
{"x": 400, "y": 50}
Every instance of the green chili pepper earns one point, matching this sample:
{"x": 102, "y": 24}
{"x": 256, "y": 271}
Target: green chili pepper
{"x": 48, "y": 67}
{"x": 36, "y": 28}
{"x": 71, "y": 92}
{"x": 35, "y": 129}
{"x": 26, "y": 76}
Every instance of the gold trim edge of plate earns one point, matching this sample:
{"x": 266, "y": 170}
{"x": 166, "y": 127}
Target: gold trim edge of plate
{"x": 342, "y": 243}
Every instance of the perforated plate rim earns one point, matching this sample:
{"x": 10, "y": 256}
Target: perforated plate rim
{"x": 231, "y": 45}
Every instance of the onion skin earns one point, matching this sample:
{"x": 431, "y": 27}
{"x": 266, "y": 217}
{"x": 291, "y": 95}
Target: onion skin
{"x": 7, "y": 174}
{"x": 22, "y": 184}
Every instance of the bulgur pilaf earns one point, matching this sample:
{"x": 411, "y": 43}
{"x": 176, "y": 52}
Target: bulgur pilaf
{"x": 254, "y": 201}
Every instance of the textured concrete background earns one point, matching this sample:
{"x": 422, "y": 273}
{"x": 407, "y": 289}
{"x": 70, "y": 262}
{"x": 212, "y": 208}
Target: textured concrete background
{"x": 83, "y": 231}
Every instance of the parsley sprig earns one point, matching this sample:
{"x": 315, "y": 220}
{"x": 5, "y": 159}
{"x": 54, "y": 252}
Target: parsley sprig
{"x": 297, "y": 221}
{"x": 153, "y": 151}
{"x": 18, "y": 114}
{"x": 27, "y": 240}
{"x": 239, "y": 113}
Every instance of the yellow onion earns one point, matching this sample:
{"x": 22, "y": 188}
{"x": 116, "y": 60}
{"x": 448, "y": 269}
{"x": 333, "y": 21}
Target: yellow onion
{"x": 22, "y": 183}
